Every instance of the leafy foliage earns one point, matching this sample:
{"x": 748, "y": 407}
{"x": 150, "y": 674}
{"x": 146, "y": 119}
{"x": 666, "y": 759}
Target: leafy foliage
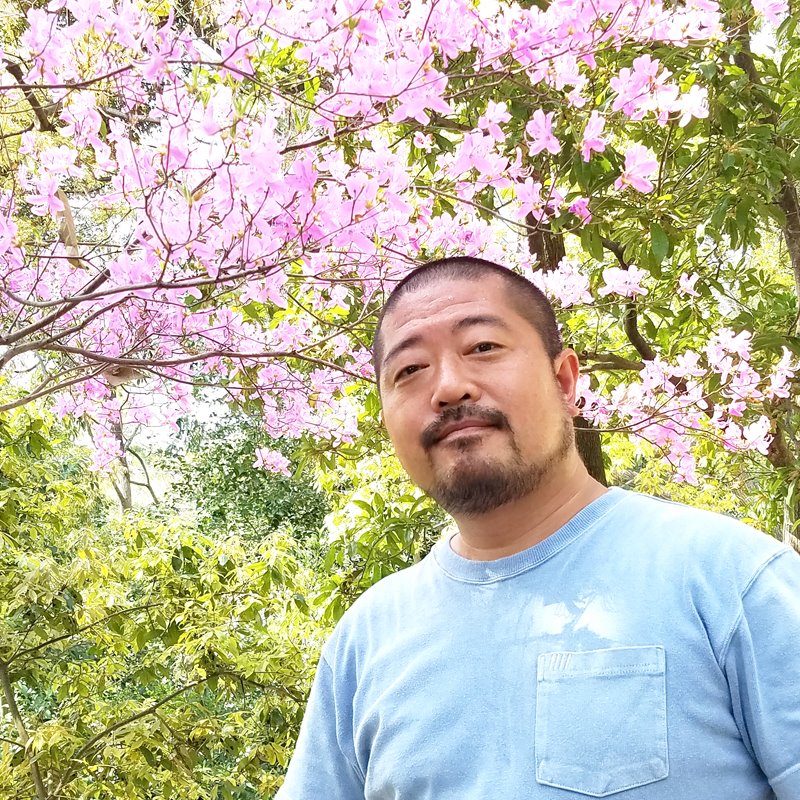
{"x": 212, "y": 468}
{"x": 139, "y": 657}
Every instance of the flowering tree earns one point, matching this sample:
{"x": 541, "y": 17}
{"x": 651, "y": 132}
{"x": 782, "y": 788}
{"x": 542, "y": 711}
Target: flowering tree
{"x": 218, "y": 196}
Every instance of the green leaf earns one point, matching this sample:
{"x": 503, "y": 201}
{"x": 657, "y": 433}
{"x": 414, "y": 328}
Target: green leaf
{"x": 659, "y": 242}
{"x": 773, "y": 341}
{"x": 365, "y": 507}
{"x": 743, "y": 217}
{"x": 728, "y": 121}
{"x": 592, "y": 242}
{"x": 301, "y": 602}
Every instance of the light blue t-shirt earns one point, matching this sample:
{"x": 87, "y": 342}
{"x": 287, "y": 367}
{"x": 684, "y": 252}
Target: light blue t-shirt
{"x": 646, "y": 650}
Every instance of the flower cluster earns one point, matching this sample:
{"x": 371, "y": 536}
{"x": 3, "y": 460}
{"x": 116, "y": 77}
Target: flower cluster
{"x": 240, "y": 232}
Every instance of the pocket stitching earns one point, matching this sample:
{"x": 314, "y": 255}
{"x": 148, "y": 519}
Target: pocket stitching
{"x": 660, "y": 726}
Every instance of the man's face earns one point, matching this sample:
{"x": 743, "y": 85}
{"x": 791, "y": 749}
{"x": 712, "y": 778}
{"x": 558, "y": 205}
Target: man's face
{"x": 477, "y": 412}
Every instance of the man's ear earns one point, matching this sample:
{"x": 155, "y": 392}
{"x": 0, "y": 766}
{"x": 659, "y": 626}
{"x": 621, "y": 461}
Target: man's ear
{"x": 567, "y": 371}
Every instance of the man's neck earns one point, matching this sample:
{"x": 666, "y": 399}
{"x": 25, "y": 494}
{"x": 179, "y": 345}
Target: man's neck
{"x": 518, "y": 525}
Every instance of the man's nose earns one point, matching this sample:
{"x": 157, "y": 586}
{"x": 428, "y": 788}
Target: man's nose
{"x": 454, "y": 385}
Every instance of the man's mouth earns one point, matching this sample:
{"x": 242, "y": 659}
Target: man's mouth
{"x": 462, "y": 428}
{"x": 461, "y": 421}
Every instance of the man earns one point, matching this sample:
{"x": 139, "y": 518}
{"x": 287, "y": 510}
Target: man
{"x": 569, "y": 641}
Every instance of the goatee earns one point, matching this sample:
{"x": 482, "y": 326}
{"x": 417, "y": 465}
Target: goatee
{"x": 477, "y": 484}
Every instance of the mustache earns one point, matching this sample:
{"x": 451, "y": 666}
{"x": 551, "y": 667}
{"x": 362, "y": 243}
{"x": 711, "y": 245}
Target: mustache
{"x": 491, "y": 416}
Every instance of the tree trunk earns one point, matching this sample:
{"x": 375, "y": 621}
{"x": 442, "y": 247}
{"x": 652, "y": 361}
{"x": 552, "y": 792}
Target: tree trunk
{"x": 548, "y": 247}
{"x": 590, "y": 448}
{"x": 781, "y": 453}
{"x": 122, "y": 483}
{"x": 787, "y": 200}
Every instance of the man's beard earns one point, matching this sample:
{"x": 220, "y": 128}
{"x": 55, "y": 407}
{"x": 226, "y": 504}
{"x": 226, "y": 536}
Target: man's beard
{"x": 478, "y": 485}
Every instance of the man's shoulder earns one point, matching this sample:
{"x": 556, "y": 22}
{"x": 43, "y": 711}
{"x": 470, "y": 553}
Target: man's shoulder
{"x": 668, "y": 526}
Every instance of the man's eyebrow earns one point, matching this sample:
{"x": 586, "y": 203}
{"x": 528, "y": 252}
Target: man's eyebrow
{"x": 405, "y": 344}
{"x": 465, "y": 322}
{"x": 479, "y": 319}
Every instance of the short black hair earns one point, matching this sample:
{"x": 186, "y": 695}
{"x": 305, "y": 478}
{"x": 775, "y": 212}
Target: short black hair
{"x": 525, "y": 298}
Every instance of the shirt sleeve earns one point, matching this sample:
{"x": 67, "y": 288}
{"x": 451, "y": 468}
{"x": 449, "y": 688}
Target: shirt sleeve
{"x": 762, "y": 665}
{"x": 323, "y": 764}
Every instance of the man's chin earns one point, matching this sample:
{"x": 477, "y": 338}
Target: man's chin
{"x": 471, "y": 488}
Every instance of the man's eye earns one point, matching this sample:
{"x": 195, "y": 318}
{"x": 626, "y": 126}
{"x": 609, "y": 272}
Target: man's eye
{"x": 484, "y": 347}
{"x": 406, "y": 371}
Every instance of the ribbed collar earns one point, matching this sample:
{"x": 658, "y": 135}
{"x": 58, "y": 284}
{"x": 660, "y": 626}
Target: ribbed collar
{"x": 464, "y": 569}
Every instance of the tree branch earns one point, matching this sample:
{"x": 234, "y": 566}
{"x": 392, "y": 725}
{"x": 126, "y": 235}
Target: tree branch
{"x": 82, "y": 751}
{"x": 41, "y": 115}
{"x": 39, "y": 344}
{"x": 66, "y": 306}
{"x": 631, "y": 322}
{"x": 13, "y": 134}
{"x": 151, "y": 364}
{"x": 631, "y": 325}
{"x": 147, "y": 482}
{"x": 609, "y": 361}
{"x": 12, "y": 743}
{"x": 48, "y": 387}
{"x": 188, "y": 283}
{"x": 78, "y": 631}
{"x": 19, "y": 723}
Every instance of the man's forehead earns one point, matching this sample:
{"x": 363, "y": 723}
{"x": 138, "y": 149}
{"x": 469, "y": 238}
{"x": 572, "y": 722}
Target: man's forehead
{"x": 419, "y": 302}
{"x": 441, "y": 308}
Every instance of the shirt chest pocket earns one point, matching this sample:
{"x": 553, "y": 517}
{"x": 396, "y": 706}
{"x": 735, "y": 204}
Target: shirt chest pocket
{"x": 601, "y": 719}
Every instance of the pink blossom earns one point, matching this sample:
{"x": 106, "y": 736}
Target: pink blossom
{"x": 594, "y": 406}
{"x": 472, "y": 153}
{"x": 692, "y": 105}
{"x": 688, "y": 365}
{"x": 60, "y": 161}
{"x": 655, "y": 375}
{"x": 8, "y": 234}
{"x": 529, "y": 195}
{"x": 495, "y": 116}
{"x": 45, "y": 201}
{"x": 725, "y": 342}
{"x": 784, "y": 371}
{"x": 758, "y": 435}
{"x": 540, "y": 131}
{"x": 272, "y": 461}
{"x": 686, "y": 284}
{"x": 744, "y": 383}
{"x": 28, "y": 143}
{"x": 737, "y": 408}
{"x": 415, "y": 102}
{"x": 645, "y": 88}
{"x": 591, "y": 136}
{"x": 641, "y": 164}
{"x": 580, "y": 208}
{"x": 686, "y": 470}
{"x": 40, "y": 30}
{"x": 567, "y": 284}
{"x": 424, "y": 141}
{"x": 772, "y": 10}
{"x": 625, "y": 282}
{"x": 275, "y": 201}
